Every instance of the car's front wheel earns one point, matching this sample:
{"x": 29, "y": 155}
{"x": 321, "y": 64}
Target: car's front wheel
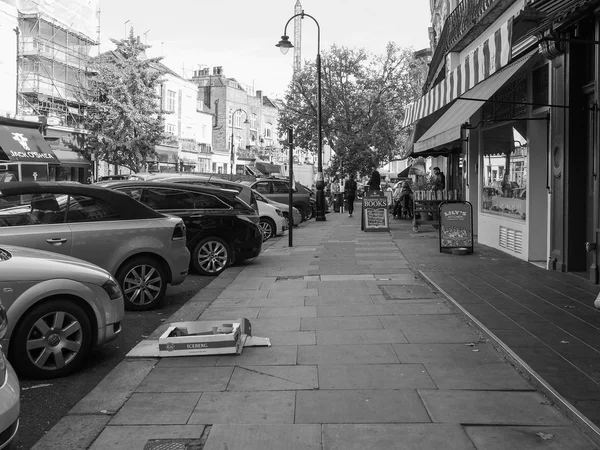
{"x": 267, "y": 228}
{"x": 53, "y": 339}
{"x": 143, "y": 282}
{"x": 302, "y": 212}
{"x": 211, "y": 256}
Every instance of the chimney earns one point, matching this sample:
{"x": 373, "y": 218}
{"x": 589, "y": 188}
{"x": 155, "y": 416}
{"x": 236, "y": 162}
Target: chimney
{"x": 218, "y": 70}
{"x": 259, "y": 94}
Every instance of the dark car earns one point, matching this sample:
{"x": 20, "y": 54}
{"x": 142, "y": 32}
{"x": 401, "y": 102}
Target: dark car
{"x": 113, "y": 177}
{"x": 244, "y": 192}
{"x": 221, "y": 228}
{"x": 278, "y": 189}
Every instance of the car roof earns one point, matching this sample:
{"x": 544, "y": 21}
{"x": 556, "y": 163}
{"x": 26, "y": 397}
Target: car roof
{"x": 166, "y": 184}
{"x": 132, "y": 209}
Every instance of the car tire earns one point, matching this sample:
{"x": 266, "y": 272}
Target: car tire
{"x": 143, "y": 281}
{"x": 211, "y": 256}
{"x": 301, "y": 211}
{"x": 267, "y": 228}
{"x": 66, "y": 347}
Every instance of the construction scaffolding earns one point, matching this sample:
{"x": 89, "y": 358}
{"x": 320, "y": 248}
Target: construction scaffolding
{"x": 55, "y": 44}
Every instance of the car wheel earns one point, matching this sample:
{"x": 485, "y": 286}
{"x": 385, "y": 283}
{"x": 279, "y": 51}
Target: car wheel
{"x": 143, "y": 282}
{"x": 302, "y": 213}
{"x": 211, "y": 256}
{"x": 313, "y": 212}
{"x": 53, "y": 339}
{"x": 267, "y": 228}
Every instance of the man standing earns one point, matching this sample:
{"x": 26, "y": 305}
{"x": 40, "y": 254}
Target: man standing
{"x": 350, "y": 193}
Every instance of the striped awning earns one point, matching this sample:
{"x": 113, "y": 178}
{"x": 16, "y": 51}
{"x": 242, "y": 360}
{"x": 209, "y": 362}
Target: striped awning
{"x": 487, "y": 58}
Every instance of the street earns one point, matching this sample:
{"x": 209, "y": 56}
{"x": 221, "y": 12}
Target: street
{"x": 44, "y": 403}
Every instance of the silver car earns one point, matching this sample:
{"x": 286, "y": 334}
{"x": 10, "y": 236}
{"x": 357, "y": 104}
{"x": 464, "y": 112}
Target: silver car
{"x": 283, "y": 207}
{"x": 58, "y": 308}
{"x": 143, "y": 249}
{"x": 10, "y": 391}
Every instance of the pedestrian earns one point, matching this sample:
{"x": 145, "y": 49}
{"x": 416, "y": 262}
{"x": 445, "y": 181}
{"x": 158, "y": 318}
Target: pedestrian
{"x": 375, "y": 181}
{"x": 350, "y": 193}
{"x": 439, "y": 180}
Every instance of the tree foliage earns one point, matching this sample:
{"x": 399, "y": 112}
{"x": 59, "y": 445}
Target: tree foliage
{"x": 125, "y": 117}
{"x": 363, "y": 101}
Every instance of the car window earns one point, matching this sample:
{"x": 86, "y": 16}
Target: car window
{"x": 36, "y": 209}
{"x": 132, "y": 191}
{"x": 280, "y": 187}
{"x": 262, "y": 187}
{"x": 167, "y": 198}
{"x": 260, "y": 197}
{"x": 89, "y": 209}
{"x": 205, "y": 201}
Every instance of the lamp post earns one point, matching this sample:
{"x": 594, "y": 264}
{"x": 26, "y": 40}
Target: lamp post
{"x": 284, "y": 45}
{"x": 232, "y": 156}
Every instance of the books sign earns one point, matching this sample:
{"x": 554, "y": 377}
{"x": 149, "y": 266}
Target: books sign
{"x": 375, "y": 212}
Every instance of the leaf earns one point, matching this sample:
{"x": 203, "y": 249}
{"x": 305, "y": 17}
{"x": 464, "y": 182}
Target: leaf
{"x": 545, "y": 436}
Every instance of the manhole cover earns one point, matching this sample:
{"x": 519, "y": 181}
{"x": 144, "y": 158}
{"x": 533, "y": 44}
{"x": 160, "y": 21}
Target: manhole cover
{"x": 174, "y": 444}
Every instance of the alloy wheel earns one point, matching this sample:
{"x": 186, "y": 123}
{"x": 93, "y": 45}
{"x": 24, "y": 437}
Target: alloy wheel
{"x": 266, "y": 229}
{"x": 213, "y": 257}
{"x": 142, "y": 284}
{"x": 54, "y": 340}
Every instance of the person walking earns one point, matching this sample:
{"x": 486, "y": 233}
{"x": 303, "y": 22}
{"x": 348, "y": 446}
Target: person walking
{"x": 375, "y": 181}
{"x": 350, "y": 193}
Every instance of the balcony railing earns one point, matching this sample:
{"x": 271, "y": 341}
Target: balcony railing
{"x": 460, "y": 21}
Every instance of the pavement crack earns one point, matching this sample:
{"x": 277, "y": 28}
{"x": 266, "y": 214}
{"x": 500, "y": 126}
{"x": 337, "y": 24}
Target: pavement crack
{"x": 276, "y": 377}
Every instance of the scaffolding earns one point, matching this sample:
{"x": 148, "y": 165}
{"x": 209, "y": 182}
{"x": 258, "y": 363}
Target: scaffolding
{"x": 53, "y": 61}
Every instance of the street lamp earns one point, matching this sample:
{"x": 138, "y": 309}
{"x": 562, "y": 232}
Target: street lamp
{"x": 284, "y": 45}
{"x": 232, "y": 156}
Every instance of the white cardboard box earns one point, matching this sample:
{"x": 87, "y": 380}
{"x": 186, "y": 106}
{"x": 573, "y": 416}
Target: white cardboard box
{"x": 198, "y": 339}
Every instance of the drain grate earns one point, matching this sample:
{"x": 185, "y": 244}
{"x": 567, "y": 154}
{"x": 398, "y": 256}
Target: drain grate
{"x": 174, "y": 444}
{"x": 290, "y": 277}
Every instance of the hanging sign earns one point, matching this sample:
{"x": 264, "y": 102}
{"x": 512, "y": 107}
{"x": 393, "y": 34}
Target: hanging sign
{"x": 456, "y": 225}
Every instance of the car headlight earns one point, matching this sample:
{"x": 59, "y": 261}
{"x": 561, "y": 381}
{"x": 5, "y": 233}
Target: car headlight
{"x": 112, "y": 289}
{"x": 279, "y": 213}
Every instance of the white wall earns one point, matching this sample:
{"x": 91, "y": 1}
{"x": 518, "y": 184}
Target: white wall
{"x": 8, "y": 58}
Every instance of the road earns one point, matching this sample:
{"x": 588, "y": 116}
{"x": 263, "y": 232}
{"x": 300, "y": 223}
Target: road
{"x": 44, "y": 403}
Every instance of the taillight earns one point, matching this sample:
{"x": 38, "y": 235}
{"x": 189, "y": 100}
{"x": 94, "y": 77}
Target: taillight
{"x": 178, "y": 231}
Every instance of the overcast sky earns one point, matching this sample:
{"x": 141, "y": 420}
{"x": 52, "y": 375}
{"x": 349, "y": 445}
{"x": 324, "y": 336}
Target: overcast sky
{"x": 240, "y": 35}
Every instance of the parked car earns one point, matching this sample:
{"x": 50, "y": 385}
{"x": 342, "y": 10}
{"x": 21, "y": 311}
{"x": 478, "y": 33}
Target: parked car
{"x": 296, "y": 217}
{"x": 10, "y": 403}
{"x": 272, "y": 222}
{"x": 58, "y": 309}
{"x": 244, "y": 192}
{"x": 113, "y": 177}
{"x": 221, "y": 228}
{"x": 144, "y": 250}
{"x": 278, "y": 189}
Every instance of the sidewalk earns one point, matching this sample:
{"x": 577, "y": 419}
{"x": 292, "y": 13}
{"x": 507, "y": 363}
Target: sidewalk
{"x": 365, "y": 355}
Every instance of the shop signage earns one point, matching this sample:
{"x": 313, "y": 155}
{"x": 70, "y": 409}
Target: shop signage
{"x": 456, "y": 225}
{"x": 375, "y": 212}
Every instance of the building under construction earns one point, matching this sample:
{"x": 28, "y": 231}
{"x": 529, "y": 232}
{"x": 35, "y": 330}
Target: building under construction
{"x": 55, "y": 42}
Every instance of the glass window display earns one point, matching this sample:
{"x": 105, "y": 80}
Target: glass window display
{"x": 505, "y": 178}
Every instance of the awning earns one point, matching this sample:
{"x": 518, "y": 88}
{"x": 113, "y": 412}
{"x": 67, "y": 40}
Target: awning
{"x": 404, "y": 173}
{"x": 24, "y": 144}
{"x": 447, "y": 127}
{"x": 71, "y": 158}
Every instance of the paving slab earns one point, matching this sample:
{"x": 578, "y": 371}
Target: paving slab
{"x": 280, "y": 301}
{"x": 287, "y": 311}
{"x": 188, "y": 361}
{"x": 73, "y": 432}
{"x": 245, "y": 408}
{"x": 157, "y": 409}
{"x": 352, "y": 310}
{"x": 273, "y": 378}
{"x": 459, "y": 354}
{"x": 395, "y": 436}
{"x": 491, "y": 407}
{"x": 136, "y": 437}
{"x": 264, "y": 437}
{"x": 487, "y": 376}
{"x": 374, "y": 376}
{"x": 347, "y": 354}
{"x": 220, "y": 313}
{"x": 291, "y": 337}
{"x": 418, "y": 307}
{"x": 409, "y": 291}
{"x": 233, "y": 302}
{"x": 530, "y": 438}
{"x": 242, "y": 294}
{"x": 186, "y": 379}
{"x": 341, "y": 323}
{"x": 275, "y": 324}
{"x": 344, "y": 337}
{"x": 267, "y": 356}
{"x": 291, "y": 291}
{"x": 361, "y": 299}
{"x": 430, "y": 327}
{"x": 359, "y": 406}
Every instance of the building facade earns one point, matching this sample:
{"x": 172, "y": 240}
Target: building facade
{"x": 510, "y": 103}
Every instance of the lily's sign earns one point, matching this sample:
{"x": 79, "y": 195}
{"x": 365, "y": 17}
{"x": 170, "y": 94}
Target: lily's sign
{"x": 456, "y": 225}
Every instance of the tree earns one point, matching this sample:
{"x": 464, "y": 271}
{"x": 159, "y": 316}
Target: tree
{"x": 125, "y": 118}
{"x": 363, "y": 102}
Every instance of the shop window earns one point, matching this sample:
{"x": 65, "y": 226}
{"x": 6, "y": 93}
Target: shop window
{"x": 505, "y": 169}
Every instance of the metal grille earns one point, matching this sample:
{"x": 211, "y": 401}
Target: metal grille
{"x": 174, "y": 444}
{"x": 511, "y": 239}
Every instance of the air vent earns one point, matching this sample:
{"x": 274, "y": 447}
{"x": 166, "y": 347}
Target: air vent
{"x": 511, "y": 239}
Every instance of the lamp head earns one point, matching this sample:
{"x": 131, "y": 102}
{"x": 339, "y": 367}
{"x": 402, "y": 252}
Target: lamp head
{"x": 284, "y": 44}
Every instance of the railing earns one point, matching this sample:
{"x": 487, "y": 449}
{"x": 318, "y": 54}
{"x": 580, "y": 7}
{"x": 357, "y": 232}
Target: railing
{"x": 466, "y": 14}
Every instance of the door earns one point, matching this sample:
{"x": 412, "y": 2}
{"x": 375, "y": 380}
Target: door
{"x": 590, "y": 185}
{"x": 281, "y": 190}
{"x": 35, "y": 221}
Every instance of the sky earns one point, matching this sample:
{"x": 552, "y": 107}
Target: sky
{"x": 240, "y": 35}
